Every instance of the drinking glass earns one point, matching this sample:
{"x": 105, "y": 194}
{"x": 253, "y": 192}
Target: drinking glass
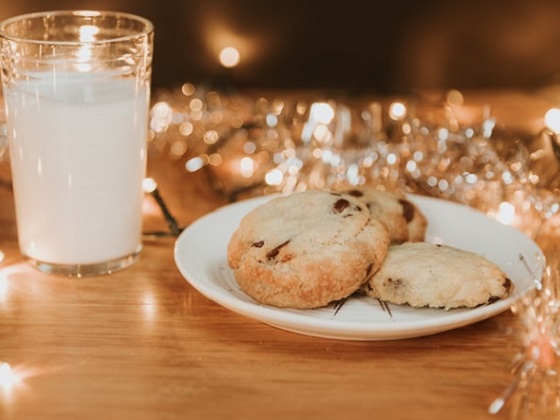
{"x": 76, "y": 86}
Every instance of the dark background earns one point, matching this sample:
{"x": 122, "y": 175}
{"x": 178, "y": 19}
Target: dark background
{"x": 390, "y": 46}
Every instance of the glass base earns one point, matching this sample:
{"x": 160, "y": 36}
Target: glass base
{"x": 84, "y": 270}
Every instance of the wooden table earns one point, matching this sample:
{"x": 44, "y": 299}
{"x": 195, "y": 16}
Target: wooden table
{"x": 143, "y": 344}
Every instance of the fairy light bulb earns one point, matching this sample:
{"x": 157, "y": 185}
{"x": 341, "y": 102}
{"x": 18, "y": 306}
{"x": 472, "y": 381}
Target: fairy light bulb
{"x": 397, "y": 111}
{"x": 149, "y": 185}
{"x": 552, "y": 120}
{"x": 8, "y": 378}
{"x": 229, "y": 57}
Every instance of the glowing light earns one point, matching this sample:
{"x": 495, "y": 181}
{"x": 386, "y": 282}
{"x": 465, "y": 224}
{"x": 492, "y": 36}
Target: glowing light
{"x": 322, "y": 112}
{"x": 1, "y": 256}
{"x": 471, "y": 179}
{"x": 455, "y": 97}
{"x": 4, "y": 286}
{"x": 506, "y": 213}
{"x": 195, "y": 164}
{"x": 274, "y": 177}
{"x": 211, "y": 137}
{"x": 317, "y": 153}
{"x": 411, "y": 166}
{"x": 216, "y": 117}
{"x": 443, "y": 134}
{"x": 397, "y": 111}
{"x": 186, "y": 129}
{"x": 391, "y": 158}
{"x": 87, "y": 34}
{"x": 552, "y": 120}
{"x": 247, "y": 167}
{"x": 149, "y": 306}
{"x": 178, "y": 148}
{"x": 229, "y": 57}
{"x": 215, "y": 159}
{"x": 149, "y": 185}
{"x": 322, "y": 133}
{"x": 162, "y": 116}
{"x": 196, "y": 105}
{"x": 8, "y": 377}
{"x": 271, "y": 120}
{"x": 188, "y": 89}
{"x": 250, "y": 147}
{"x": 443, "y": 185}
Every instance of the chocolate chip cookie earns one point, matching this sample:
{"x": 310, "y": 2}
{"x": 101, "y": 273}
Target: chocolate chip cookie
{"x": 404, "y": 221}
{"x": 306, "y": 249}
{"x": 439, "y": 276}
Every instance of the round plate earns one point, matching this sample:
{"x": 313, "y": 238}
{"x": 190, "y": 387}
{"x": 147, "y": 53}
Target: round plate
{"x": 201, "y": 256}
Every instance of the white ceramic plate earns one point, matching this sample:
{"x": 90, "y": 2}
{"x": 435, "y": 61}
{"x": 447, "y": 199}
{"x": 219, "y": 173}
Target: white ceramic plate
{"x": 200, "y": 255}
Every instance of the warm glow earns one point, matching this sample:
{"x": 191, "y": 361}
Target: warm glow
{"x": 149, "y": 185}
{"x": 215, "y": 159}
{"x": 178, "y": 148}
{"x": 195, "y": 163}
{"x": 397, "y": 111}
{"x": 218, "y": 36}
{"x": 322, "y": 112}
{"x": 506, "y": 213}
{"x": 88, "y": 32}
{"x": 149, "y": 306}
{"x": 247, "y": 167}
{"x": 13, "y": 379}
{"x": 188, "y": 89}
{"x": 4, "y": 286}
{"x": 7, "y": 375}
{"x": 161, "y": 116}
{"x": 455, "y": 97}
{"x": 211, "y": 137}
{"x": 552, "y": 120}
{"x": 274, "y": 177}
{"x": 322, "y": 133}
{"x": 229, "y": 57}
{"x": 9, "y": 379}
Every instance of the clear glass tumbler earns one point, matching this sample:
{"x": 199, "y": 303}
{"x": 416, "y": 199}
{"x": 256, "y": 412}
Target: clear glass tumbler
{"x": 76, "y": 89}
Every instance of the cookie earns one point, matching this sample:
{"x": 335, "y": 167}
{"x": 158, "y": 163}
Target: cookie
{"x": 404, "y": 221}
{"x": 423, "y": 274}
{"x": 306, "y": 249}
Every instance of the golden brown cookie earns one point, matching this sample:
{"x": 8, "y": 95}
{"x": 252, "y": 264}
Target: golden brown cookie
{"x": 439, "y": 276}
{"x": 306, "y": 249}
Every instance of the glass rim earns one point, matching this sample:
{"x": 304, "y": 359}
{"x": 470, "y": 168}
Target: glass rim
{"x": 147, "y": 26}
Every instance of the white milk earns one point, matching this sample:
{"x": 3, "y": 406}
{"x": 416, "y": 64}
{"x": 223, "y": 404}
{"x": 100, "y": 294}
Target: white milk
{"x": 78, "y": 155}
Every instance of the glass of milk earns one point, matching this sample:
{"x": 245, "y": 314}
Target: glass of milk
{"x": 76, "y": 88}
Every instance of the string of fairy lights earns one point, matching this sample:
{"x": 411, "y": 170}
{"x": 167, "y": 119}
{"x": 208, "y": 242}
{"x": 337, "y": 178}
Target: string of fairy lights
{"x": 257, "y": 145}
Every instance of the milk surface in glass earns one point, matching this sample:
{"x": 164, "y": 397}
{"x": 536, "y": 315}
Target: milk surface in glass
{"x": 77, "y": 145}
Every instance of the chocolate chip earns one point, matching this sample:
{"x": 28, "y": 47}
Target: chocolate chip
{"x": 508, "y": 285}
{"x": 396, "y": 283}
{"x": 491, "y": 300}
{"x": 355, "y": 193}
{"x": 258, "y": 244}
{"x": 408, "y": 210}
{"x": 340, "y": 205}
{"x": 273, "y": 253}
